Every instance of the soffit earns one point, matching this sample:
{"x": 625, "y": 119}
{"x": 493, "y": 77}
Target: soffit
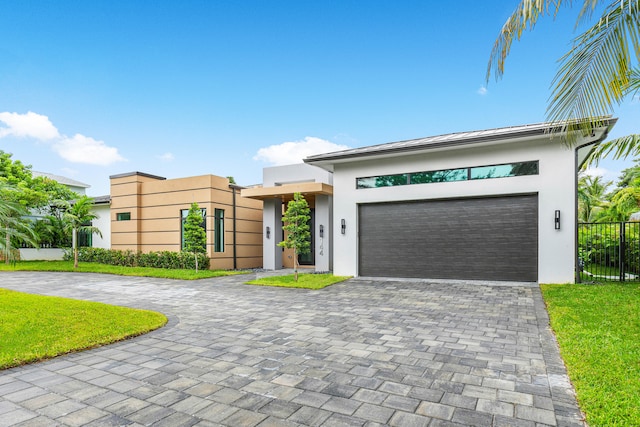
{"x": 286, "y": 191}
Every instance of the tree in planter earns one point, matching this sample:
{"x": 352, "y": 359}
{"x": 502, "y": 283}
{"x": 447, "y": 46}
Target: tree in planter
{"x": 296, "y": 220}
{"x": 195, "y": 237}
{"x": 76, "y": 217}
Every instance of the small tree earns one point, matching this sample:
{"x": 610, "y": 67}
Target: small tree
{"x": 76, "y": 217}
{"x": 296, "y": 219}
{"x": 195, "y": 237}
{"x": 13, "y": 225}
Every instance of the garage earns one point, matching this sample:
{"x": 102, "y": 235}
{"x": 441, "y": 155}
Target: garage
{"x": 489, "y": 238}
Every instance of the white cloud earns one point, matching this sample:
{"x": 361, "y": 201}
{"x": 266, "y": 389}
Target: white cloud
{"x": 166, "y": 157}
{"x": 482, "y": 91}
{"x": 294, "y": 152}
{"x": 30, "y": 125}
{"x": 76, "y": 149}
{"x": 595, "y": 172}
{"x": 83, "y": 149}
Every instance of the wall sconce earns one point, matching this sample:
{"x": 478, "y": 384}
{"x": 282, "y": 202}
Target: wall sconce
{"x": 343, "y": 226}
{"x": 557, "y": 220}
{"x": 268, "y": 233}
{"x": 321, "y": 230}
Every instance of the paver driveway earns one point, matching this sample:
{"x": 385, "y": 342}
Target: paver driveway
{"x": 356, "y": 353}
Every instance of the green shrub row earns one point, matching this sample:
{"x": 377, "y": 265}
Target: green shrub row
{"x": 601, "y": 246}
{"x": 163, "y": 259}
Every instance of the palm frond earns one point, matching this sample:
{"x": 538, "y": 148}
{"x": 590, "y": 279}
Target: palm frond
{"x": 524, "y": 18}
{"x": 595, "y": 74}
{"x": 620, "y": 148}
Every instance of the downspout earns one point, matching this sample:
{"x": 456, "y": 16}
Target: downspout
{"x": 235, "y": 258}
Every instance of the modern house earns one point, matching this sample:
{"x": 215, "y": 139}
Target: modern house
{"x": 497, "y": 204}
{"x": 147, "y": 214}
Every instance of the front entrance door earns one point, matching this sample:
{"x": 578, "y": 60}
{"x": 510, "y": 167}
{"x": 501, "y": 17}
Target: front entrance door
{"x": 309, "y": 259}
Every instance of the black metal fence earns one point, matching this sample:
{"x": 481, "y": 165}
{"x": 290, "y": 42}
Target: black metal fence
{"x": 609, "y": 251}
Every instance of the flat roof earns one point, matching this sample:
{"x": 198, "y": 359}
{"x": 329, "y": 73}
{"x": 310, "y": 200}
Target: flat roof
{"x": 148, "y": 175}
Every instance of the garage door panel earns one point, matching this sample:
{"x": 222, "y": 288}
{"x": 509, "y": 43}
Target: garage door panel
{"x": 484, "y": 239}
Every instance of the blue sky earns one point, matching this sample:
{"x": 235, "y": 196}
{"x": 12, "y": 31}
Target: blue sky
{"x": 89, "y": 89}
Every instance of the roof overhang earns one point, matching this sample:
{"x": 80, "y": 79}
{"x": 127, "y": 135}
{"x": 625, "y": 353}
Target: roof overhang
{"x": 514, "y": 134}
{"x": 287, "y": 191}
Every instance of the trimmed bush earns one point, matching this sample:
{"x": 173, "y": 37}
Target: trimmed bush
{"x": 163, "y": 259}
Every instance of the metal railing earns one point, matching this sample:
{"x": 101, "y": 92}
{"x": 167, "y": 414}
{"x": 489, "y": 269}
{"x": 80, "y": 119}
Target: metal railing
{"x": 608, "y": 251}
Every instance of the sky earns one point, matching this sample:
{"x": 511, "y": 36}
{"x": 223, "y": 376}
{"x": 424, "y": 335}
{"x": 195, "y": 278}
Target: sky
{"x": 90, "y": 89}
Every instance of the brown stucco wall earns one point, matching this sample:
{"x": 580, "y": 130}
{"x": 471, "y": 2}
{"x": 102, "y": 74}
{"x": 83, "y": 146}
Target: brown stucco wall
{"x": 155, "y": 204}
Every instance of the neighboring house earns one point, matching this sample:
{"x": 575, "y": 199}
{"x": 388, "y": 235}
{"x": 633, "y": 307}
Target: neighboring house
{"x": 279, "y": 185}
{"x": 76, "y": 186}
{"x": 28, "y": 254}
{"x": 100, "y": 208}
{"x": 497, "y": 204}
{"x": 147, "y": 214}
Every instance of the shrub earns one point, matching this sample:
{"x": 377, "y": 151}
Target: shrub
{"x": 128, "y": 258}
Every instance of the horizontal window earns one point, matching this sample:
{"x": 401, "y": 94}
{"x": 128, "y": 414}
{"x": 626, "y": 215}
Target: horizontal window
{"x": 447, "y": 175}
{"x": 123, "y": 216}
{"x": 504, "y": 171}
{"x": 450, "y": 175}
{"x": 383, "y": 181}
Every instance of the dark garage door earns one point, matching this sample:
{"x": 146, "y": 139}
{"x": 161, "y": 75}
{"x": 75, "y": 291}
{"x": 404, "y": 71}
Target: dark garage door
{"x": 494, "y": 238}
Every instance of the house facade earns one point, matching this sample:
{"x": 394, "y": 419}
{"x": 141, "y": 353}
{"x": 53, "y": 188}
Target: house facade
{"x": 147, "y": 214}
{"x": 496, "y": 204}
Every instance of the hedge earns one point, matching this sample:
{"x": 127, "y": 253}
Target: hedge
{"x": 163, "y": 259}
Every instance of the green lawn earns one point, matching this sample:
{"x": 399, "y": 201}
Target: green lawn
{"x": 598, "y": 329}
{"x": 305, "y": 281}
{"x": 94, "y": 267}
{"x": 35, "y": 327}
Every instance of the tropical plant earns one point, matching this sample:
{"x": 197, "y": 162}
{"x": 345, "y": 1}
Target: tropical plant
{"x": 77, "y": 217}
{"x": 592, "y": 192}
{"x": 14, "y": 227}
{"x": 296, "y": 219}
{"x": 598, "y": 73}
{"x": 195, "y": 237}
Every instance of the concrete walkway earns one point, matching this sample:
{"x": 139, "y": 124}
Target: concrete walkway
{"x": 363, "y": 352}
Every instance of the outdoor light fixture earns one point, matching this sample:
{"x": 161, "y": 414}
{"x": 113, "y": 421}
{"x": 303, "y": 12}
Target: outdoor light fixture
{"x": 321, "y": 230}
{"x": 557, "y": 220}
{"x": 268, "y": 232}
{"x": 343, "y": 226}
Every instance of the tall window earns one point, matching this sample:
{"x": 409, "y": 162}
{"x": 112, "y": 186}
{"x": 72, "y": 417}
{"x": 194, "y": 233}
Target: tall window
{"x": 218, "y": 230}
{"x": 183, "y": 218}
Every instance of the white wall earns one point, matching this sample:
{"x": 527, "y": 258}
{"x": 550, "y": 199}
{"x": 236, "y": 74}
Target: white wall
{"x": 43, "y": 254}
{"x": 555, "y": 186}
{"x": 103, "y": 222}
{"x": 289, "y": 174}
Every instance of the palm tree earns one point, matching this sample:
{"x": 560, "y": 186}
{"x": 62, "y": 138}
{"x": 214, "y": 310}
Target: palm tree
{"x": 13, "y": 225}
{"x": 76, "y": 217}
{"x": 591, "y": 197}
{"x": 598, "y": 72}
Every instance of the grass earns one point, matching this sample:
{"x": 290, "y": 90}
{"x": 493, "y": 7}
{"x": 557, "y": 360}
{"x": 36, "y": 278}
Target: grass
{"x": 94, "y": 267}
{"x": 598, "y": 330}
{"x": 36, "y": 327}
{"x": 305, "y": 281}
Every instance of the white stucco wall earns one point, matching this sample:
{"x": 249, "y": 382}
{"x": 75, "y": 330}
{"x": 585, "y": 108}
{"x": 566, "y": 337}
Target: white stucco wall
{"x": 290, "y": 174}
{"x": 103, "y": 222}
{"x": 555, "y": 186}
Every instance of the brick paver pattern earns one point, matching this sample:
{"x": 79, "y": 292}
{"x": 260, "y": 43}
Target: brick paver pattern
{"x": 358, "y": 353}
